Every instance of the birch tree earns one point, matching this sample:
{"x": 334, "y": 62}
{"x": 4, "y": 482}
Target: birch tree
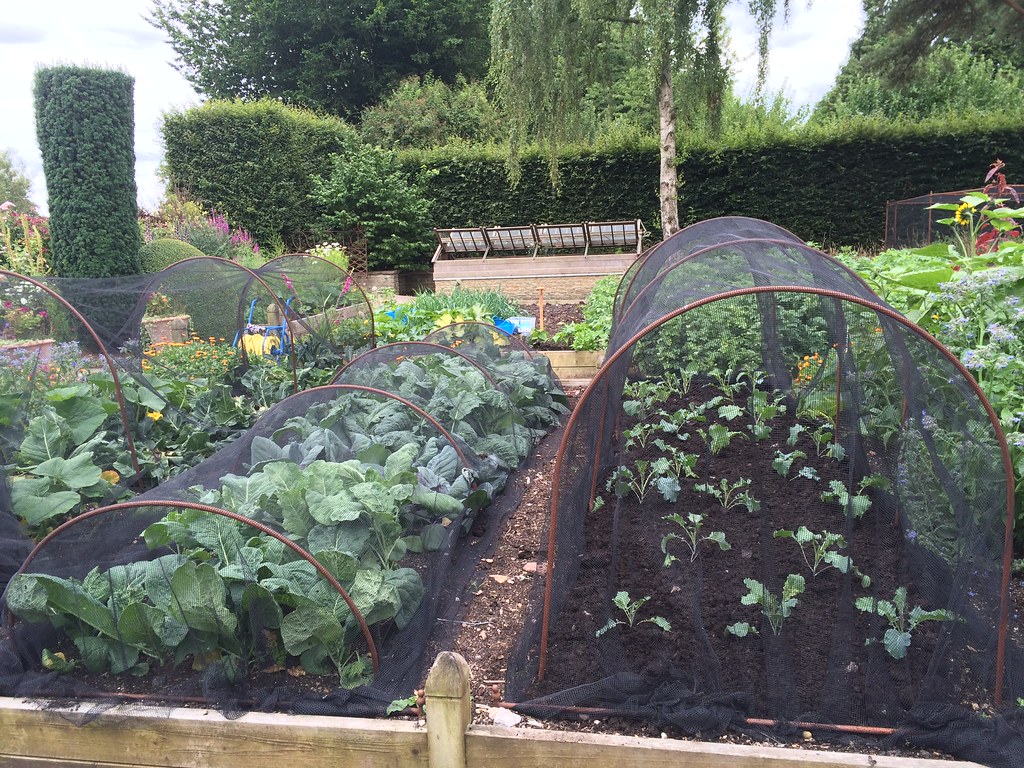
{"x": 546, "y": 53}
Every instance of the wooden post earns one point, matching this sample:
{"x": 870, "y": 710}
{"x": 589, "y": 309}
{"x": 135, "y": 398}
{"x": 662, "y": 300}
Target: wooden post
{"x": 448, "y": 711}
{"x": 540, "y": 308}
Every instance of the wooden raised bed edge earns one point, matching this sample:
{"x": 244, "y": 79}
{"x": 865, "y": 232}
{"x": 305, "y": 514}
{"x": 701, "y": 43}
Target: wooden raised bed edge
{"x": 137, "y": 736}
{"x": 574, "y": 365}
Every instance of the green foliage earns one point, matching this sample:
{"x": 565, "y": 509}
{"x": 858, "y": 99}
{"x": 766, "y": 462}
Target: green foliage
{"x": 85, "y": 126}
{"x": 901, "y": 34}
{"x": 24, "y": 242}
{"x": 629, "y": 609}
{"x": 593, "y": 332}
{"x": 824, "y": 551}
{"x": 430, "y": 311}
{"x": 968, "y": 294}
{"x": 336, "y": 57}
{"x": 161, "y": 253}
{"x": 368, "y": 189}
{"x": 731, "y": 495}
{"x": 253, "y": 162}
{"x": 690, "y": 525}
{"x": 14, "y": 183}
{"x": 773, "y": 607}
{"x": 951, "y": 80}
{"x": 898, "y": 636}
{"x": 826, "y": 184}
{"x": 424, "y": 113}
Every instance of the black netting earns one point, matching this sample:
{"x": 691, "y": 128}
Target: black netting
{"x": 778, "y": 501}
{"x": 215, "y": 586}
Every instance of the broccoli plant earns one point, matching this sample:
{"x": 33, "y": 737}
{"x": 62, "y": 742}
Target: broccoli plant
{"x": 630, "y": 608}
{"x": 783, "y": 462}
{"x": 821, "y": 551}
{"x": 763, "y": 408}
{"x": 775, "y": 609}
{"x": 731, "y": 495}
{"x": 718, "y": 437}
{"x": 902, "y": 623}
{"x": 691, "y": 526}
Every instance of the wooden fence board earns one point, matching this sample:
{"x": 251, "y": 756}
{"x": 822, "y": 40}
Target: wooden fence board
{"x": 195, "y": 738}
{"x": 496, "y": 747}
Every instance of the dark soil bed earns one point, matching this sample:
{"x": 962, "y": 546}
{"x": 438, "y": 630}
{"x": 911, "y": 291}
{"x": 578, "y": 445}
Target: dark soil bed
{"x": 494, "y": 617}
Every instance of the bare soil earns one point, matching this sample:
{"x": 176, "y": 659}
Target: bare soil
{"x": 507, "y": 574}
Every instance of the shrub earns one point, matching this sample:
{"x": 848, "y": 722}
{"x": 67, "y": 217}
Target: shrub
{"x": 160, "y": 254}
{"x": 368, "y": 188}
{"x": 592, "y": 333}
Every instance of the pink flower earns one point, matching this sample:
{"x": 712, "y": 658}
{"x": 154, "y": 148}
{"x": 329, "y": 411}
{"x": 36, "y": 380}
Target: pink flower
{"x": 6, "y": 205}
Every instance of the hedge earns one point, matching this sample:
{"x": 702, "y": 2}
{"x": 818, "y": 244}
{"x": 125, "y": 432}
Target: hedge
{"x": 252, "y": 161}
{"x": 85, "y": 124}
{"x": 828, "y": 185}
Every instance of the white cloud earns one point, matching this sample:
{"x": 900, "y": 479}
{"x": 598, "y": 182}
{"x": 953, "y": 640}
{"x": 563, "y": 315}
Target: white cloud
{"x": 806, "y": 52}
{"x": 107, "y": 33}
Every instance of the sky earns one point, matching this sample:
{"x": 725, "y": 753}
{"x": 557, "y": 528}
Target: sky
{"x": 807, "y": 53}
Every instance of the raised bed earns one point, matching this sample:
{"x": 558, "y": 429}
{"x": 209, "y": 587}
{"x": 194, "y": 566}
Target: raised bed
{"x": 37, "y": 733}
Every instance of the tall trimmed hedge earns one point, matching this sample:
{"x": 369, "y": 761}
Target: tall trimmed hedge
{"x": 827, "y": 184}
{"x": 85, "y": 124}
{"x": 252, "y": 162}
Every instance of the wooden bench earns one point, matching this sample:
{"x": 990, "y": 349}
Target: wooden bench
{"x": 563, "y": 239}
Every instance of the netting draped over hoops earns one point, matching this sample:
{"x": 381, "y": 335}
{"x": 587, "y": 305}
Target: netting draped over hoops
{"x": 779, "y": 501}
{"x": 215, "y": 586}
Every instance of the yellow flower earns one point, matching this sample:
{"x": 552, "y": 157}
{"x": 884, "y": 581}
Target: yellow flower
{"x": 110, "y": 475}
{"x": 154, "y": 415}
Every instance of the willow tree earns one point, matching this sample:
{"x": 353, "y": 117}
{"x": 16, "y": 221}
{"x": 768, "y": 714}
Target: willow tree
{"x": 546, "y": 53}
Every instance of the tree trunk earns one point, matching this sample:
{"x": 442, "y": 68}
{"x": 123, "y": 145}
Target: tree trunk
{"x": 668, "y": 187}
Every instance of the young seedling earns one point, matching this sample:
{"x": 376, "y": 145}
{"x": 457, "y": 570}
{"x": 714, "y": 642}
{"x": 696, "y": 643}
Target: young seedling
{"x": 762, "y": 410}
{"x": 680, "y": 462}
{"x": 691, "y": 525}
{"x": 718, "y": 437}
{"x": 682, "y": 382}
{"x": 775, "y": 609}
{"x": 783, "y": 462}
{"x": 630, "y": 608}
{"x": 901, "y": 622}
{"x": 624, "y": 479}
{"x": 824, "y": 551}
{"x": 856, "y": 504}
{"x": 730, "y": 383}
{"x": 731, "y": 495}
{"x": 809, "y": 473}
{"x": 640, "y": 397}
{"x": 639, "y": 434}
{"x": 794, "y": 434}
{"x": 824, "y": 444}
